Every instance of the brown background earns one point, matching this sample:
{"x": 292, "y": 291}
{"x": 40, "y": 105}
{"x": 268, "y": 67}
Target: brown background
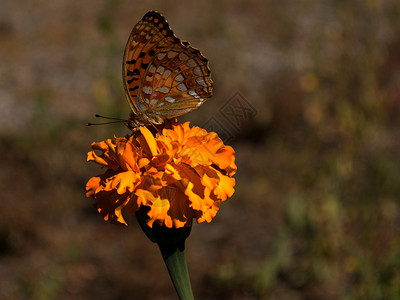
{"x": 316, "y": 211}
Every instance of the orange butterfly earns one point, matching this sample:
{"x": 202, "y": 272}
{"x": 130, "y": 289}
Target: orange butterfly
{"x": 163, "y": 76}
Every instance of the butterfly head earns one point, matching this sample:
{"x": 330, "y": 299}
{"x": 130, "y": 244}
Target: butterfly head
{"x": 143, "y": 119}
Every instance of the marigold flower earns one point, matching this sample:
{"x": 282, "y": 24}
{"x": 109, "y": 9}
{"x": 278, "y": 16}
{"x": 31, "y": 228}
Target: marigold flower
{"x": 179, "y": 174}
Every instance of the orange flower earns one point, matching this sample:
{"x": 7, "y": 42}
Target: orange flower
{"x": 179, "y": 174}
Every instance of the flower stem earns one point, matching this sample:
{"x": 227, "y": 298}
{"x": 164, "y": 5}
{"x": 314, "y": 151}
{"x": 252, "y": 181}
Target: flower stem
{"x": 175, "y": 260}
{"x": 171, "y": 242}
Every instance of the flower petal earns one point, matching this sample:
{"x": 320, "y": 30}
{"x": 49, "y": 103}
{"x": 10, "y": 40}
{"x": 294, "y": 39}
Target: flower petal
{"x": 224, "y": 189}
{"x": 127, "y": 156}
{"x": 123, "y": 182}
{"x": 145, "y": 197}
{"x": 158, "y": 212}
{"x": 92, "y": 185}
{"x": 151, "y": 142}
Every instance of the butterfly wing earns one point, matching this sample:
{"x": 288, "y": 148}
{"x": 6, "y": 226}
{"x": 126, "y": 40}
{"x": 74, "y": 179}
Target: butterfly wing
{"x": 163, "y": 77}
{"x": 177, "y": 81}
{"x": 147, "y": 37}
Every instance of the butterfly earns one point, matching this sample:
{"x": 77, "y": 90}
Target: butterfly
{"x": 163, "y": 76}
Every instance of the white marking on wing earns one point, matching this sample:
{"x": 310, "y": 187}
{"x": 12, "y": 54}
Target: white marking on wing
{"x": 160, "y": 69}
{"x": 172, "y": 54}
{"x": 166, "y": 74}
{"x": 197, "y": 71}
{"x": 163, "y": 89}
{"x": 183, "y": 57}
{"x": 179, "y": 78}
{"x": 147, "y": 89}
{"x": 160, "y": 56}
{"x": 170, "y": 99}
{"x": 182, "y": 87}
{"x": 191, "y": 63}
{"x": 152, "y": 68}
{"x": 200, "y": 80}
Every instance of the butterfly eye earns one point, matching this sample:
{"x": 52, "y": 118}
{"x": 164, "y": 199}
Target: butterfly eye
{"x": 186, "y": 73}
{"x": 172, "y": 65}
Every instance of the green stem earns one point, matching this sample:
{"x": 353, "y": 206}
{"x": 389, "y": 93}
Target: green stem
{"x": 171, "y": 242}
{"x": 175, "y": 260}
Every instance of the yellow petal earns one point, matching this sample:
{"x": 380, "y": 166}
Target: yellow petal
{"x": 210, "y": 213}
{"x": 92, "y": 185}
{"x": 118, "y": 214}
{"x": 196, "y": 200}
{"x": 224, "y": 189}
{"x": 169, "y": 169}
{"x": 225, "y": 157}
{"x": 127, "y": 156}
{"x": 143, "y": 162}
{"x": 158, "y": 212}
{"x": 125, "y": 181}
{"x": 149, "y": 139}
{"x": 145, "y": 197}
{"x": 91, "y": 156}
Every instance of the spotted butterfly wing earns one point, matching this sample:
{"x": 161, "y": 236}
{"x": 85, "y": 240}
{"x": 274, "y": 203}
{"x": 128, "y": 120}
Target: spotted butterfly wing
{"x": 163, "y": 77}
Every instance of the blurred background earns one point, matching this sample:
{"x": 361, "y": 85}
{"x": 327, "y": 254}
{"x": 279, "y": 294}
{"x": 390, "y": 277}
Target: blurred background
{"x": 316, "y": 212}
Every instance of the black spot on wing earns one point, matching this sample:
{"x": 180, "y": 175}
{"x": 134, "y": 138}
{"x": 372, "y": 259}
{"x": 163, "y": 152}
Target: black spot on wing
{"x": 132, "y": 73}
{"x": 132, "y": 79}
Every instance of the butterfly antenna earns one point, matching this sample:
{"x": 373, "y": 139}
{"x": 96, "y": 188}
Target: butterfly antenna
{"x": 116, "y": 120}
{"x": 109, "y": 118}
{"x": 104, "y": 123}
